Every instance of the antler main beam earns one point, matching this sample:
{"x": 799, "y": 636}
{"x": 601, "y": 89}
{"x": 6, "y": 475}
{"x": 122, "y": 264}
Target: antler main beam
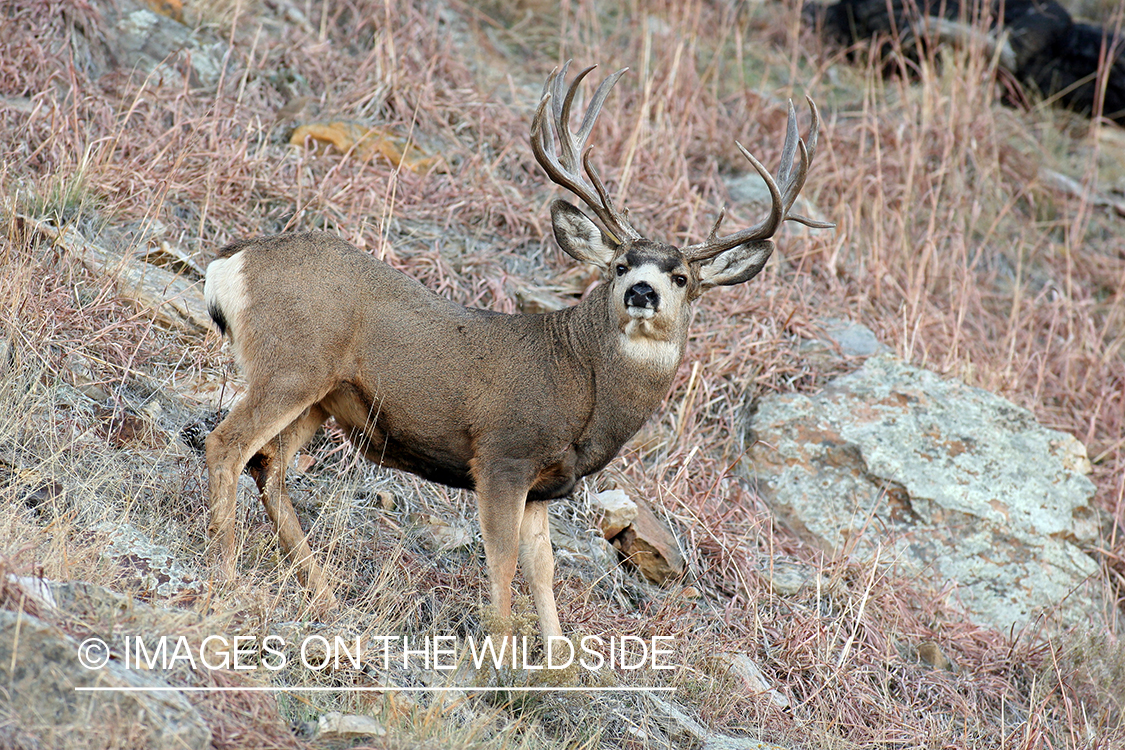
{"x": 563, "y": 167}
{"x": 782, "y": 197}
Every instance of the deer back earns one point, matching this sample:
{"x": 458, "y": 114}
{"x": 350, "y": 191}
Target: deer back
{"x": 426, "y": 385}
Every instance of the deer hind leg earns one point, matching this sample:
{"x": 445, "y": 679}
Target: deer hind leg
{"x": 276, "y": 456}
{"x": 259, "y": 417}
{"x": 501, "y": 496}
{"x": 538, "y": 564}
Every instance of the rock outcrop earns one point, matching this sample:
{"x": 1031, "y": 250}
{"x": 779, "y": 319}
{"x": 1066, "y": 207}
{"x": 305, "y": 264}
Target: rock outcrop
{"x": 47, "y": 701}
{"x": 948, "y": 481}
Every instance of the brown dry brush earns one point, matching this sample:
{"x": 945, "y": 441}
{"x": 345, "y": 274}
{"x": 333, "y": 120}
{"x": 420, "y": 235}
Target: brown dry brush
{"x": 947, "y": 247}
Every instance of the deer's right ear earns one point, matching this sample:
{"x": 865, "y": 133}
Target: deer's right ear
{"x": 580, "y": 237}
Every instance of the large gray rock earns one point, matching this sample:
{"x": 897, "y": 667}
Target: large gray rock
{"x": 40, "y": 706}
{"x": 949, "y": 481}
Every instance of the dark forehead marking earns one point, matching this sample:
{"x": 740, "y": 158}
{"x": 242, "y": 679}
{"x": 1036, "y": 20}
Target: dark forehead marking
{"x": 664, "y": 257}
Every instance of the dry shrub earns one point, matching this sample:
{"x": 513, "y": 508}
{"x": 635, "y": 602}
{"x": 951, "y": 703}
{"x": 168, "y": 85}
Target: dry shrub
{"x": 949, "y": 245}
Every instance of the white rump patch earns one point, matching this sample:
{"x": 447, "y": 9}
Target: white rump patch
{"x": 225, "y": 290}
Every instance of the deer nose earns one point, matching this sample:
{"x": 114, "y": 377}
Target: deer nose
{"x": 641, "y": 294}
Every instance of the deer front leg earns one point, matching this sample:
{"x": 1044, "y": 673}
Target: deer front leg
{"x": 538, "y": 564}
{"x": 501, "y": 495}
{"x": 276, "y": 457}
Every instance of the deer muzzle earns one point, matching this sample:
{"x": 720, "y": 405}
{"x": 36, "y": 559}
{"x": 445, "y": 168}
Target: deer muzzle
{"x": 641, "y": 300}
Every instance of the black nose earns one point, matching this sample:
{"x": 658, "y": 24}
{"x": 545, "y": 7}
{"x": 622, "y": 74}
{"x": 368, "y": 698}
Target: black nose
{"x": 641, "y": 295}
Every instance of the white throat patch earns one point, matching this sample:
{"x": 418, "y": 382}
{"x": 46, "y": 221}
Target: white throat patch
{"x": 641, "y": 313}
{"x": 638, "y": 346}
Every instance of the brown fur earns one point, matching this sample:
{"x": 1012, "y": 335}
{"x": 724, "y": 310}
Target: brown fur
{"x": 517, "y": 407}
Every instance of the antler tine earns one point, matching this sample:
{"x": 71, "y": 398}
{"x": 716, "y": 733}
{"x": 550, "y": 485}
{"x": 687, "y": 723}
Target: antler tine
{"x": 790, "y": 180}
{"x": 718, "y": 223}
{"x": 792, "y": 138}
{"x": 596, "y": 103}
{"x": 569, "y": 149}
{"x": 764, "y": 229}
{"x": 814, "y": 129}
{"x": 563, "y": 166}
{"x": 599, "y": 186}
{"x": 797, "y": 181}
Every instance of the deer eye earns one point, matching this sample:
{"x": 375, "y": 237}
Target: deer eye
{"x": 680, "y": 280}
{"x": 621, "y": 269}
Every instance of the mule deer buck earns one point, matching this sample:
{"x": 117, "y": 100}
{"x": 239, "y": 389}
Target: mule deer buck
{"x": 516, "y": 407}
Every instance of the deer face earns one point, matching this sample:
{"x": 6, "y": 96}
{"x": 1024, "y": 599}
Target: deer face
{"x": 652, "y": 283}
{"x": 650, "y": 292}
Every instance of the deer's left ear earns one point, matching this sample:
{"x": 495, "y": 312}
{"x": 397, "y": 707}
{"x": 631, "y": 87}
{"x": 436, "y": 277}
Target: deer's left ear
{"x": 736, "y": 265}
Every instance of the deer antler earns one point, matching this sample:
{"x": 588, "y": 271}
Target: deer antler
{"x": 563, "y": 167}
{"x": 783, "y": 196}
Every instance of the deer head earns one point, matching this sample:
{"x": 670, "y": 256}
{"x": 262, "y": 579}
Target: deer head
{"x": 653, "y": 281}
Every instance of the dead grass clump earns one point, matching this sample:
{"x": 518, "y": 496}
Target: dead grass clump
{"x": 245, "y": 719}
{"x": 951, "y": 246}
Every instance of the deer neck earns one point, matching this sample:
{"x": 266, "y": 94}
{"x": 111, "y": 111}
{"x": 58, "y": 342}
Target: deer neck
{"x": 636, "y": 350}
{"x": 628, "y": 376}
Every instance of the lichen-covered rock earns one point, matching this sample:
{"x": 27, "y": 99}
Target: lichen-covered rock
{"x": 40, "y": 706}
{"x": 147, "y": 37}
{"x": 950, "y": 481}
{"x": 148, "y": 569}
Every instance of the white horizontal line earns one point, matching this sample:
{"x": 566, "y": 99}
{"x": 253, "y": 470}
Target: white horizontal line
{"x": 270, "y": 689}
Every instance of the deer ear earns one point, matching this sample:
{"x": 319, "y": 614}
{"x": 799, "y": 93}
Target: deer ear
{"x": 736, "y": 265}
{"x": 580, "y": 237}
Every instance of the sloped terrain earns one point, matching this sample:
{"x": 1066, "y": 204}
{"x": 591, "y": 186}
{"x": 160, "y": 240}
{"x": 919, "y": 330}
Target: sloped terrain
{"x": 979, "y": 241}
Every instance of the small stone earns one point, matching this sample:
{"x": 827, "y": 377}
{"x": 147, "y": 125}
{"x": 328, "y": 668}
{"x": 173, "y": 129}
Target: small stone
{"x": 746, "y": 671}
{"x": 850, "y": 338}
{"x": 336, "y": 725}
{"x": 930, "y": 653}
{"x": 615, "y": 511}
{"x": 35, "y": 589}
{"x": 789, "y": 578}
{"x": 676, "y": 721}
{"x": 587, "y": 549}
{"x": 651, "y": 547}
{"x": 441, "y": 536}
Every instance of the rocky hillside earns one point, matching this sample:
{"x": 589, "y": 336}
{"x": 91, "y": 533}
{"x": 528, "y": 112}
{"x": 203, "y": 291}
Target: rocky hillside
{"x": 882, "y": 505}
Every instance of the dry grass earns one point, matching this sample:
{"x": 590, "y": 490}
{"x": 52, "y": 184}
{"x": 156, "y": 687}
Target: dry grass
{"x": 949, "y": 246}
